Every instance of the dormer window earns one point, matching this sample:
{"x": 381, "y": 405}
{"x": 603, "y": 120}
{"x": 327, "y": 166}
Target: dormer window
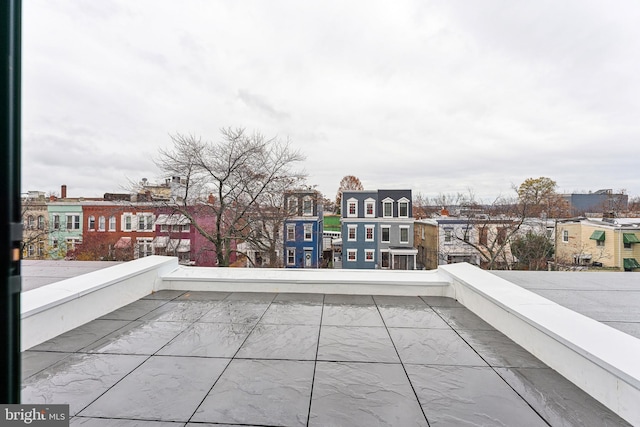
{"x": 387, "y": 208}
{"x": 293, "y": 205}
{"x": 352, "y": 208}
{"x": 403, "y": 208}
{"x": 307, "y": 206}
{"x": 369, "y": 208}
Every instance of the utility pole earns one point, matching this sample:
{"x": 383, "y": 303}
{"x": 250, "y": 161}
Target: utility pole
{"x": 10, "y": 221}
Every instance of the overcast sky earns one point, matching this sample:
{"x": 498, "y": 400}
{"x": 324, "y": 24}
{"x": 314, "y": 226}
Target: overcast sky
{"x": 439, "y": 97}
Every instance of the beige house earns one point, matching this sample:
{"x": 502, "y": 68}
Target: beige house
{"x": 609, "y": 242}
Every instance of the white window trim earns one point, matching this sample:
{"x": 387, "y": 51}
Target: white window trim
{"x": 373, "y": 233}
{"x": 291, "y": 227}
{"x": 404, "y": 227}
{"x": 565, "y": 236}
{"x": 384, "y": 203}
{"x": 388, "y": 258}
{"x": 401, "y": 201}
{"x": 372, "y": 202}
{"x": 355, "y": 233}
{"x": 355, "y": 214}
{"x": 115, "y": 223}
{"x": 292, "y": 251}
{"x": 388, "y": 227}
{"x": 305, "y": 200}
{"x": 373, "y": 255}
{"x": 308, "y": 227}
{"x": 355, "y": 255}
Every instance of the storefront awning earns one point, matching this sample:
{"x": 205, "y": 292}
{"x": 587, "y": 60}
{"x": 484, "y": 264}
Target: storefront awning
{"x": 597, "y": 235}
{"x": 395, "y": 250}
{"x": 631, "y": 263}
{"x": 630, "y": 238}
{"x": 123, "y": 243}
{"x": 161, "y": 241}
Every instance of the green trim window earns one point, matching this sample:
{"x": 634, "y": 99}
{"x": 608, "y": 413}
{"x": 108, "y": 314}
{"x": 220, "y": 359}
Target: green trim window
{"x": 630, "y": 238}
{"x": 630, "y": 264}
{"x": 598, "y": 236}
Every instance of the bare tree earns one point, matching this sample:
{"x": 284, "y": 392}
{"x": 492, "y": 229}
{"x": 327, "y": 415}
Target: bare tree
{"x": 348, "y": 182}
{"x": 228, "y": 182}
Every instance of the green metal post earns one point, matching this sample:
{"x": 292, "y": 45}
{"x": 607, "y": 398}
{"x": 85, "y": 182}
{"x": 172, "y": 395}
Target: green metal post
{"x": 10, "y": 221}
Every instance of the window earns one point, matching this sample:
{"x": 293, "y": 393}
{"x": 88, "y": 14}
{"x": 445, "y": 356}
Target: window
{"x": 385, "y": 234}
{"x": 112, "y": 223}
{"x": 352, "y": 255}
{"x": 291, "y": 232}
{"x": 291, "y": 256}
{"x": 387, "y": 208}
{"x": 369, "y": 255}
{"x": 127, "y": 223}
{"x": 145, "y": 222}
{"x": 502, "y": 235}
{"x": 601, "y": 243}
{"x": 186, "y": 228}
{"x": 448, "y": 235}
{"x": 403, "y": 208}
{"x": 385, "y": 259}
{"x": 404, "y": 234}
{"x": 101, "y": 223}
{"x": 144, "y": 247}
{"x": 30, "y": 251}
{"x": 368, "y": 233}
{"x": 351, "y": 233}
{"x": 41, "y": 249}
{"x": 308, "y": 232}
{"x": 565, "y": 236}
{"x": 307, "y": 207}
{"x": 292, "y": 201}
{"x": 466, "y": 234}
{"x": 30, "y": 222}
{"x": 73, "y": 222}
{"x": 352, "y": 207}
{"x": 56, "y": 222}
{"x": 71, "y": 244}
{"x": 369, "y": 209}
{"x": 40, "y": 222}
{"x": 91, "y": 223}
{"x": 164, "y": 227}
{"x": 175, "y": 228}
{"x": 484, "y": 239}
{"x": 627, "y": 245}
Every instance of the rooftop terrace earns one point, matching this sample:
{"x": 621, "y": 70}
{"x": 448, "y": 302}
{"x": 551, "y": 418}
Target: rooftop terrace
{"x": 172, "y": 357}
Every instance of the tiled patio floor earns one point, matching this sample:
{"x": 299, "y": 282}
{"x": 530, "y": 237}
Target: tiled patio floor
{"x": 203, "y": 358}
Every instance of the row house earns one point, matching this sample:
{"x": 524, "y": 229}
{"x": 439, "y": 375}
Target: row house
{"x": 176, "y": 236}
{"x": 607, "y": 242}
{"x": 303, "y": 229}
{"x": 35, "y": 226}
{"x": 377, "y": 230}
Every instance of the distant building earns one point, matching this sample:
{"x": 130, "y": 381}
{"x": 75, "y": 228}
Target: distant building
{"x": 377, "y": 230}
{"x": 609, "y": 242}
{"x": 600, "y": 201}
{"x": 303, "y": 229}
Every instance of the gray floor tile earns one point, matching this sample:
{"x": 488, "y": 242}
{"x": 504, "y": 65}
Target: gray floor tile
{"x": 236, "y": 312}
{"x": 35, "y": 361}
{"x": 433, "y": 347}
{"x": 302, "y": 298}
{"x": 82, "y": 336}
{"x": 202, "y": 296}
{"x": 138, "y": 338}
{"x": 348, "y": 299}
{"x": 293, "y": 313}
{"x": 441, "y": 302}
{"x": 412, "y": 317}
{"x": 399, "y": 301}
{"x": 180, "y": 311}
{"x": 251, "y": 297}
{"x": 164, "y": 387}
{"x": 463, "y": 395}
{"x": 208, "y": 340}
{"x": 78, "y": 379}
{"x": 135, "y": 310}
{"x": 498, "y": 350}
{"x": 462, "y": 318}
{"x": 363, "y": 394}
{"x": 262, "y": 392}
{"x": 294, "y": 342}
{"x": 112, "y": 422}
{"x": 559, "y": 401}
{"x": 351, "y": 315}
{"x": 356, "y": 344}
{"x": 165, "y": 294}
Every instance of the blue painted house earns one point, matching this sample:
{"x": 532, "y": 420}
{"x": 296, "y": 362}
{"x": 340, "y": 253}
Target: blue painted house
{"x": 377, "y": 230}
{"x": 303, "y": 229}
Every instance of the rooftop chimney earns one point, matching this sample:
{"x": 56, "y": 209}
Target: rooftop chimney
{"x": 63, "y": 191}
{"x": 444, "y": 212}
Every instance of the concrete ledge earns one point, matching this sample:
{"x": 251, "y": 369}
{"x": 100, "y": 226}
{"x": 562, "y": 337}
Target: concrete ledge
{"x": 51, "y": 310}
{"x": 322, "y": 281}
{"x": 597, "y": 358}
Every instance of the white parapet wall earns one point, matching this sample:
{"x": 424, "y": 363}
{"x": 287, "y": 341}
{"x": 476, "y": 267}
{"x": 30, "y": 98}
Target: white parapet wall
{"x": 51, "y": 310}
{"x": 601, "y": 360}
{"x": 322, "y": 281}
